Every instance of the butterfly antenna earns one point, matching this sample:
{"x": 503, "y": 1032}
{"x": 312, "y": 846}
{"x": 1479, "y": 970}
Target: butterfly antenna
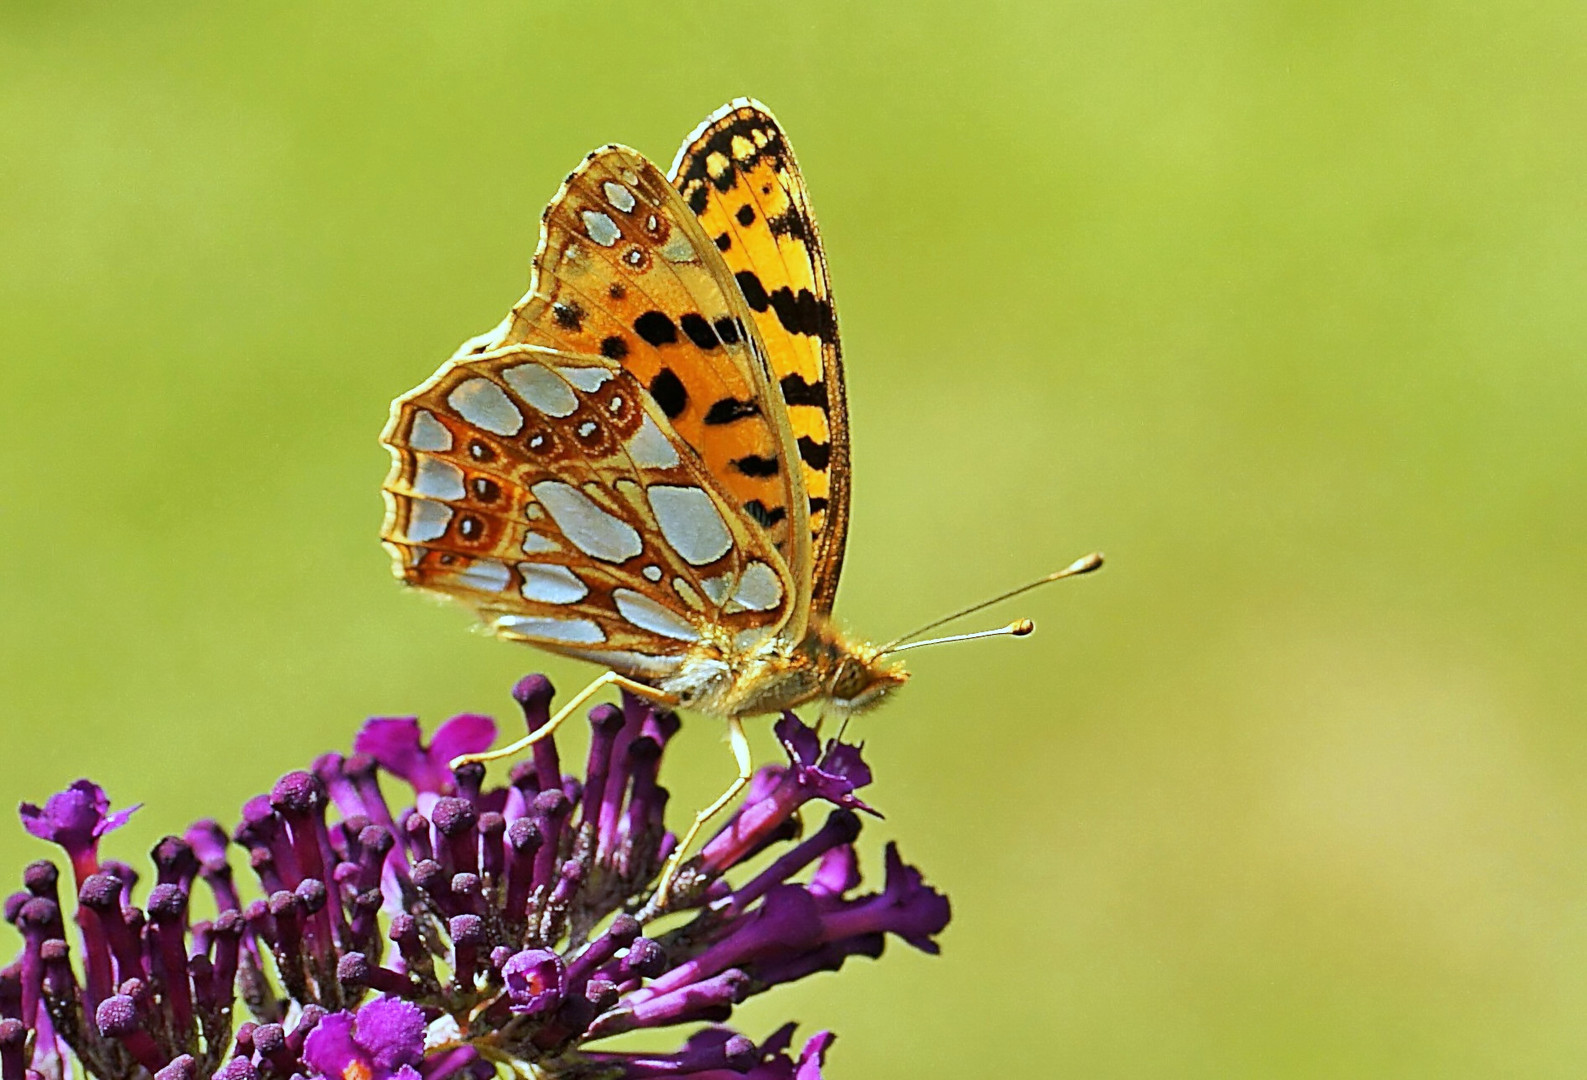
{"x": 1019, "y": 628}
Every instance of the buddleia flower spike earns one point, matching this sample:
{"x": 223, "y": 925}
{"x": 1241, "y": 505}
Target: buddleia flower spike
{"x": 457, "y": 930}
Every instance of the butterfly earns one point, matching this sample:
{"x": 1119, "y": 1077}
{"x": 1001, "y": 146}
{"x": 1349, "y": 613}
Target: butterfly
{"x": 646, "y": 464}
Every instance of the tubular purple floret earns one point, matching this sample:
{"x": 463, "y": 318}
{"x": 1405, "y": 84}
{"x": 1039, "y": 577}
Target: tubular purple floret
{"x": 117, "y": 1018}
{"x": 456, "y": 840}
{"x": 41, "y": 878}
{"x": 416, "y": 829}
{"x": 468, "y": 935}
{"x": 168, "y": 909}
{"x": 606, "y": 723}
{"x": 13, "y": 1046}
{"x": 841, "y": 828}
{"x": 533, "y": 694}
{"x": 619, "y": 935}
{"x": 550, "y": 810}
{"x": 354, "y": 970}
{"x": 174, "y": 862}
{"x": 469, "y": 777}
{"x": 362, "y": 774}
{"x": 492, "y": 856}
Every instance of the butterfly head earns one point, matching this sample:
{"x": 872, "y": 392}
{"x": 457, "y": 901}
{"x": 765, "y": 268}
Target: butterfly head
{"x": 849, "y": 677}
{"x": 861, "y": 680}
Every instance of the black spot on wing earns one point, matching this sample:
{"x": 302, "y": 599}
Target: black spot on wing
{"x": 763, "y": 516}
{"x": 754, "y": 292}
{"x": 614, "y": 347}
{"x": 656, "y": 328}
{"x": 699, "y": 197}
{"x": 568, "y": 315}
{"x": 791, "y": 223}
{"x": 815, "y": 454}
{"x": 795, "y": 391}
{"x": 724, "y": 242}
{"x": 616, "y": 291}
{"x": 728, "y": 330}
{"x": 755, "y": 465}
{"x": 727, "y": 410}
{"x": 699, "y": 331}
{"x": 804, "y": 313}
{"x": 746, "y": 215}
{"x": 669, "y": 393}
{"x": 817, "y": 504}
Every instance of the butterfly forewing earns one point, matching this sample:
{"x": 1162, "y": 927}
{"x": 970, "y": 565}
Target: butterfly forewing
{"x": 737, "y": 173}
{"x": 625, "y": 272}
{"x": 548, "y": 491}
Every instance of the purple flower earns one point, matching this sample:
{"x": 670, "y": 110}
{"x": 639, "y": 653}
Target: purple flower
{"x": 396, "y": 743}
{"x": 833, "y": 774}
{"x": 75, "y": 819}
{"x": 514, "y": 923}
{"x": 536, "y": 980}
{"x": 382, "y": 1041}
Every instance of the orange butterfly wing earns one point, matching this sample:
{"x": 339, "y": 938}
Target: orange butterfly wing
{"x": 737, "y": 173}
{"x": 527, "y": 472}
{"x": 626, "y": 272}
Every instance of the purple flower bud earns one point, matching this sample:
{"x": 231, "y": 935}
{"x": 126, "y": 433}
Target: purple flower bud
{"x": 175, "y": 862}
{"x": 40, "y": 878}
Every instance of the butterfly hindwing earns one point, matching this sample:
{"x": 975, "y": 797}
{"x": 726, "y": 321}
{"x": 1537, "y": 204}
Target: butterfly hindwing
{"x": 548, "y": 491}
{"x": 738, "y": 175}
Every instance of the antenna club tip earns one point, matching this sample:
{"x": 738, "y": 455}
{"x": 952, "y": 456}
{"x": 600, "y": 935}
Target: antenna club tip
{"x": 1022, "y": 628}
{"x": 1085, "y": 565}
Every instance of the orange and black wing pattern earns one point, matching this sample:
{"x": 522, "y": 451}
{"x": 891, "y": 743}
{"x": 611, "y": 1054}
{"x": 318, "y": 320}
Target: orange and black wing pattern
{"x": 738, "y": 175}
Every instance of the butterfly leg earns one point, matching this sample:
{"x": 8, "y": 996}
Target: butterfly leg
{"x": 638, "y": 689}
{"x": 740, "y": 745}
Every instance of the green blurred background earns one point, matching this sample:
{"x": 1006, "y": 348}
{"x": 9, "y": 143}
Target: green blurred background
{"x": 1280, "y": 305}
